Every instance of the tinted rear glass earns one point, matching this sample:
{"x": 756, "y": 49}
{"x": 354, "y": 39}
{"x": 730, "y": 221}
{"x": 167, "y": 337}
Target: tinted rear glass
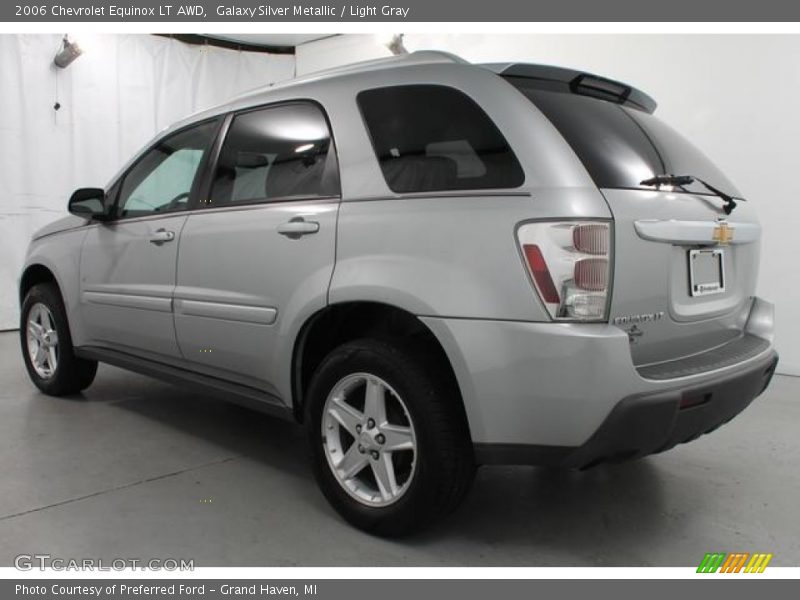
{"x": 435, "y": 138}
{"x": 621, "y": 146}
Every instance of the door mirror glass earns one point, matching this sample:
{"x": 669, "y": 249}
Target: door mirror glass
{"x": 89, "y": 203}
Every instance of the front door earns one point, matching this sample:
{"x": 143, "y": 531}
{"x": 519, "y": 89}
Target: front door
{"x": 128, "y": 264}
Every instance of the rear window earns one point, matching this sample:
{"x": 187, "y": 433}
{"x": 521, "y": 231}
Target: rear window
{"x": 621, "y": 146}
{"x": 431, "y": 138}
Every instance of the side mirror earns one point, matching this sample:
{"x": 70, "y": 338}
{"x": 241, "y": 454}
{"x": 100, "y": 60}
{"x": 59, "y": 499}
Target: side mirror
{"x": 89, "y": 203}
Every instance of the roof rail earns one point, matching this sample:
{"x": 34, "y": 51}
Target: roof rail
{"x": 420, "y": 57}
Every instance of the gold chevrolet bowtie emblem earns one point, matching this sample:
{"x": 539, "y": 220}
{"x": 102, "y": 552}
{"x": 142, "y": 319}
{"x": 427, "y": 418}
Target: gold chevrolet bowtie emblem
{"x": 723, "y": 234}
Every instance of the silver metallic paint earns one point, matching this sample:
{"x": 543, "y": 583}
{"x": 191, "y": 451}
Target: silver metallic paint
{"x": 451, "y": 259}
{"x": 551, "y": 383}
{"x": 127, "y": 284}
{"x": 673, "y": 231}
{"x": 237, "y": 265}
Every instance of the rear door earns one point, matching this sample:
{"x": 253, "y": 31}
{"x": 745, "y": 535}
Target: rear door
{"x": 684, "y": 271}
{"x": 260, "y": 250}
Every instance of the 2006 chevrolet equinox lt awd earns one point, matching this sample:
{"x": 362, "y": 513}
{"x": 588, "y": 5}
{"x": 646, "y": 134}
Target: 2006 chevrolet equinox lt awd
{"x": 430, "y": 264}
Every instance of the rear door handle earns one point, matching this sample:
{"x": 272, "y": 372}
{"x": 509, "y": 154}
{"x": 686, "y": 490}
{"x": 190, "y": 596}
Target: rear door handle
{"x": 160, "y": 236}
{"x": 298, "y": 227}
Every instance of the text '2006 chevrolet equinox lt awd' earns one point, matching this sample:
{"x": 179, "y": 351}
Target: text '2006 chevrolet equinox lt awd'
{"x": 431, "y": 264}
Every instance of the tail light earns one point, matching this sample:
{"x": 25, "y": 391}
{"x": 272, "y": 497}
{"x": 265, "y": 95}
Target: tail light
{"x": 569, "y": 264}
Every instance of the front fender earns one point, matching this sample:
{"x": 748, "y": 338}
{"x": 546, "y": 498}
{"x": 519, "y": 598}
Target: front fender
{"x": 61, "y": 255}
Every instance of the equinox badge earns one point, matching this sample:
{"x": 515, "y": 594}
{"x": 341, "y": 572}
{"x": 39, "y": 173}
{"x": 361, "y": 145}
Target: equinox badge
{"x": 643, "y": 318}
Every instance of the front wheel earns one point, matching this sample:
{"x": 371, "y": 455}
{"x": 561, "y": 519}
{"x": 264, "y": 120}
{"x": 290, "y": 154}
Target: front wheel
{"x": 47, "y": 344}
{"x": 390, "y": 444}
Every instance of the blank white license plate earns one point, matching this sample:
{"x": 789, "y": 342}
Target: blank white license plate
{"x": 706, "y": 272}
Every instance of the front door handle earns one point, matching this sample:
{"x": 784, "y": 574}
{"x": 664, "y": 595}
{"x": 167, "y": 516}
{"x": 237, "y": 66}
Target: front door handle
{"x": 159, "y": 236}
{"x": 298, "y": 227}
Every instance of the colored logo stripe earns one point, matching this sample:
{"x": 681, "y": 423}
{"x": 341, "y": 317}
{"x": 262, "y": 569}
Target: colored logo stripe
{"x": 758, "y": 563}
{"x": 734, "y": 562}
{"x": 711, "y": 562}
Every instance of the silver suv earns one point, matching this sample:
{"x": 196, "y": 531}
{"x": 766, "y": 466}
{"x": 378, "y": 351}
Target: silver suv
{"x": 431, "y": 264}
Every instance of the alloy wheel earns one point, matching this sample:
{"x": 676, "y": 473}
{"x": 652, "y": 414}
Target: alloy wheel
{"x": 369, "y": 439}
{"x": 42, "y": 340}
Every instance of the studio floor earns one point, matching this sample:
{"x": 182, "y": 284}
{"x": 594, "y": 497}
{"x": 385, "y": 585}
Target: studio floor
{"x": 136, "y": 468}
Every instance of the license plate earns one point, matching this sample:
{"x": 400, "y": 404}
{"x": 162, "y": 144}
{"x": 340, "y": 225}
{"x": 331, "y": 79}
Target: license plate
{"x": 706, "y": 272}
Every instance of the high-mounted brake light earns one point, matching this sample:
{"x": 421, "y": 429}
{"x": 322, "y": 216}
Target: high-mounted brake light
{"x": 569, "y": 263}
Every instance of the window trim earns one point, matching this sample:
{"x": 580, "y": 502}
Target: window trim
{"x": 422, "y": 193}
{"x": 196, "y": 204}
{"x": 120, "y": 181}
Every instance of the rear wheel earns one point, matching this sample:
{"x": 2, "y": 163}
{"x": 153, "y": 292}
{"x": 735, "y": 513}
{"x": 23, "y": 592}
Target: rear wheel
{"x": 47, "y": 344}
{"x": 390, "y": 446}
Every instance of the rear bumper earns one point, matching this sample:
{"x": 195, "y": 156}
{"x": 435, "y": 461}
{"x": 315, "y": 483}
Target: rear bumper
{"x": 569, "y": 394}
{"x": 643, "y": 424}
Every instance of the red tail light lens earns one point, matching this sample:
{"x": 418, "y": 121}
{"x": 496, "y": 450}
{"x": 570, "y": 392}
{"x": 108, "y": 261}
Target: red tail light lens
{"x": 591, "y": 274}
{"x": 541, "y": 275}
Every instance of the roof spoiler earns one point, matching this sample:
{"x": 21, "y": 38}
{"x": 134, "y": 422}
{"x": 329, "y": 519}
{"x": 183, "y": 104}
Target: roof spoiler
{"x": 578, "y": 82}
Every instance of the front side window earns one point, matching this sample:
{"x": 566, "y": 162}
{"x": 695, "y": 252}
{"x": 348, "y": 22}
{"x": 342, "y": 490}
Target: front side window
{"x": 161, "y": 181}
{"x": 431, "y": 138}
{"x": 276, "y": 153}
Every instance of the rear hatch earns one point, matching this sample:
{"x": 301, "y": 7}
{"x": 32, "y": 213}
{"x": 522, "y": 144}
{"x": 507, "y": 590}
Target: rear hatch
{"x": 683, "y": 270}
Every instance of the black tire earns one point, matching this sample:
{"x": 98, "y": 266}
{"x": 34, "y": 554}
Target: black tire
{"x": 72, "y": 374}
{"x": 444, "y": 467}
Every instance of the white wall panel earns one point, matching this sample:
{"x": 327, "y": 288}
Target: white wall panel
{"x": 735, "y": 96}
{"x": 121, "y": 92}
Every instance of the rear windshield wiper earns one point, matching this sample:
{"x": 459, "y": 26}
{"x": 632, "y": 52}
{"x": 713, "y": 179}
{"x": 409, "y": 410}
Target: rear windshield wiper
{"x": 684, "y": 180}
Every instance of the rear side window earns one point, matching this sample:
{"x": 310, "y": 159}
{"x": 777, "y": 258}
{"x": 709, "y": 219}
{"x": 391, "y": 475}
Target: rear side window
{"x": 621, "y": 146}
{"x": 430, "y": 138}
{"x": 276, "y": 153}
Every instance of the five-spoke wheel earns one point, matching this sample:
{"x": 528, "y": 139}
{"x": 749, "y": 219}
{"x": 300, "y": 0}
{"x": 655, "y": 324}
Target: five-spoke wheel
{"x": 42, "y": 340}
{"x": 388, "y": 435}
{"x": 47, "y": 344}
{"x": 369, "y": 439}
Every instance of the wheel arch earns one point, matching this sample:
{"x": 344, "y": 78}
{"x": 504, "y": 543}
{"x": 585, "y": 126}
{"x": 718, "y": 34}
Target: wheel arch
{"x": 337, "y": 324}
{"x": 35, "y": 274}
